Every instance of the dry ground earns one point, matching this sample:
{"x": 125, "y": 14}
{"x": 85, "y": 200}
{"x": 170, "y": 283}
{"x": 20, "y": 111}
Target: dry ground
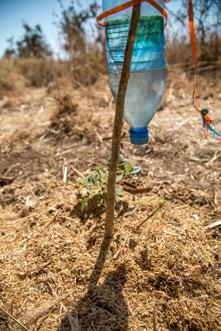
{"x": 164, "y": 276}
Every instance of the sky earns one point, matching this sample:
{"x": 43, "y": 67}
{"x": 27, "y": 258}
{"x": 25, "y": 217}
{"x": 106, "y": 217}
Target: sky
{"x": 43, "y": 12}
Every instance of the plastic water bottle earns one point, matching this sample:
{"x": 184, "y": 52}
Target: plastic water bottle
{"x": 148, "y": 75}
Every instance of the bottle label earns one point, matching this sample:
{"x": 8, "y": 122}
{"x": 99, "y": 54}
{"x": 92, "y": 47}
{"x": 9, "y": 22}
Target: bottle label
{"x": 149, "y": 47}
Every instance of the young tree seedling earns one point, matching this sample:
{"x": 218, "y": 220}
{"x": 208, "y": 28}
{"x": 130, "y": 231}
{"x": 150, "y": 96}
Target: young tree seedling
{"x": 118, "y": 122}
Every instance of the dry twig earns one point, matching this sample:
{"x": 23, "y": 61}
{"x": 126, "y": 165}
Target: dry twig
{"x": 137, "y": 190}
{"x": 14, "y": 319}
{"x": 161, "y": 205}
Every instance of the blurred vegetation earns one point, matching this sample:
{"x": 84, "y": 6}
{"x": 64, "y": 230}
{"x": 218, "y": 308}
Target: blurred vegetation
{"x": 208, "y": 28}
{"x": 11, "y": 82}
{"x": 32, "y": 44}
{"x": 75, "y": 24}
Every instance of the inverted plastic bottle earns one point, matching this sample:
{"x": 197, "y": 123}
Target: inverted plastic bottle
{"x": 148, "y": 75}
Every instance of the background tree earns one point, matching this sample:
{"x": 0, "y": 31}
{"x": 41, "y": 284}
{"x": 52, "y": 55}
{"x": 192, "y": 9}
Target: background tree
{"x": 10, "y": 51}
{"x": 208, "y": 25}
{"x": 32, "y": 44}
{"x": 76, "y": 25}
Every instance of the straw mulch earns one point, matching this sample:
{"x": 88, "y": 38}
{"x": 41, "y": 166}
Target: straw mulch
{"x": 162, "y": 276}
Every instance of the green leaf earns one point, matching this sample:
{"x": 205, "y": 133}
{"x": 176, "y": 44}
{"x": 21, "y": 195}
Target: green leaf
{"x": 128, "y": 168}
{"x": 119, "y": 178}
{"x": 119, "y": 191}
{"x": 95, "y": 184}
{"x": 136, "y": 171}
{"x": 91, "y": 180}
{"x": 84, "y": 204}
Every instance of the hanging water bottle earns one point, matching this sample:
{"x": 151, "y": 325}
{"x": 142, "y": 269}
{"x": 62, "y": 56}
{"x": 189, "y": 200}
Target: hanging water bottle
{"x": 148, "y": 74}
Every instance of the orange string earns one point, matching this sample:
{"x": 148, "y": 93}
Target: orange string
{"x": 208, "y": 120}
{"x": 194, "y": 51}
{"x": 127, "y": 5}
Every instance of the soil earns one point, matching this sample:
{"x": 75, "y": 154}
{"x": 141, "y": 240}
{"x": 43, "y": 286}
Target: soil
{"x": 164, "y": 276}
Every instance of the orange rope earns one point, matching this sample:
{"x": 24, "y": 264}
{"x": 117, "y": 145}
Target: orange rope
{"x": 194, "y": 51}
{"x": 207, "y": 119}
{"x": 127, "y": 5}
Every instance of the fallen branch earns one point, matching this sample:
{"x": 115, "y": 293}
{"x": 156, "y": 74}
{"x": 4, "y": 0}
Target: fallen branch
{"x": 138, "y": 190}
{"x": 12, "y": 167}
{"x": 77, "y": 172}
{"x": 161, "y": 205}
{"x": 44, "y": 311}
{"x": 5, "y": 180}
{"x": 216, "y": 224}
{"x": 42, "y": 321}
{"x": 14, "y": 319}
{"x": 134, "y": 189}
{"x": 110, "y": 138}
{"x": 154, "y": 319}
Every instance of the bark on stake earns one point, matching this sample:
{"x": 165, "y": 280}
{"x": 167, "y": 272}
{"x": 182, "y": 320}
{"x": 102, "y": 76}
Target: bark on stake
{"x": 125, "y": 75}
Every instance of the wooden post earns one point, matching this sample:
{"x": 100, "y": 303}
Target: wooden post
{"x": 118, "y": 122}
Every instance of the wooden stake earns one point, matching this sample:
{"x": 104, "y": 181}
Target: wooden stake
{"x": 118, "y": 122}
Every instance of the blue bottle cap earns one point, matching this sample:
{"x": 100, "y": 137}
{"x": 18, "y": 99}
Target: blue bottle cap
{"x": 139, "y": 136}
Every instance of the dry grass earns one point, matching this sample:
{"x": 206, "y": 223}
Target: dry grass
{"x": 11, "y": 83}
{"x": 164, "y": 277}
{"x": 33, "y": 72}
{"x": 38, "y": 72}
